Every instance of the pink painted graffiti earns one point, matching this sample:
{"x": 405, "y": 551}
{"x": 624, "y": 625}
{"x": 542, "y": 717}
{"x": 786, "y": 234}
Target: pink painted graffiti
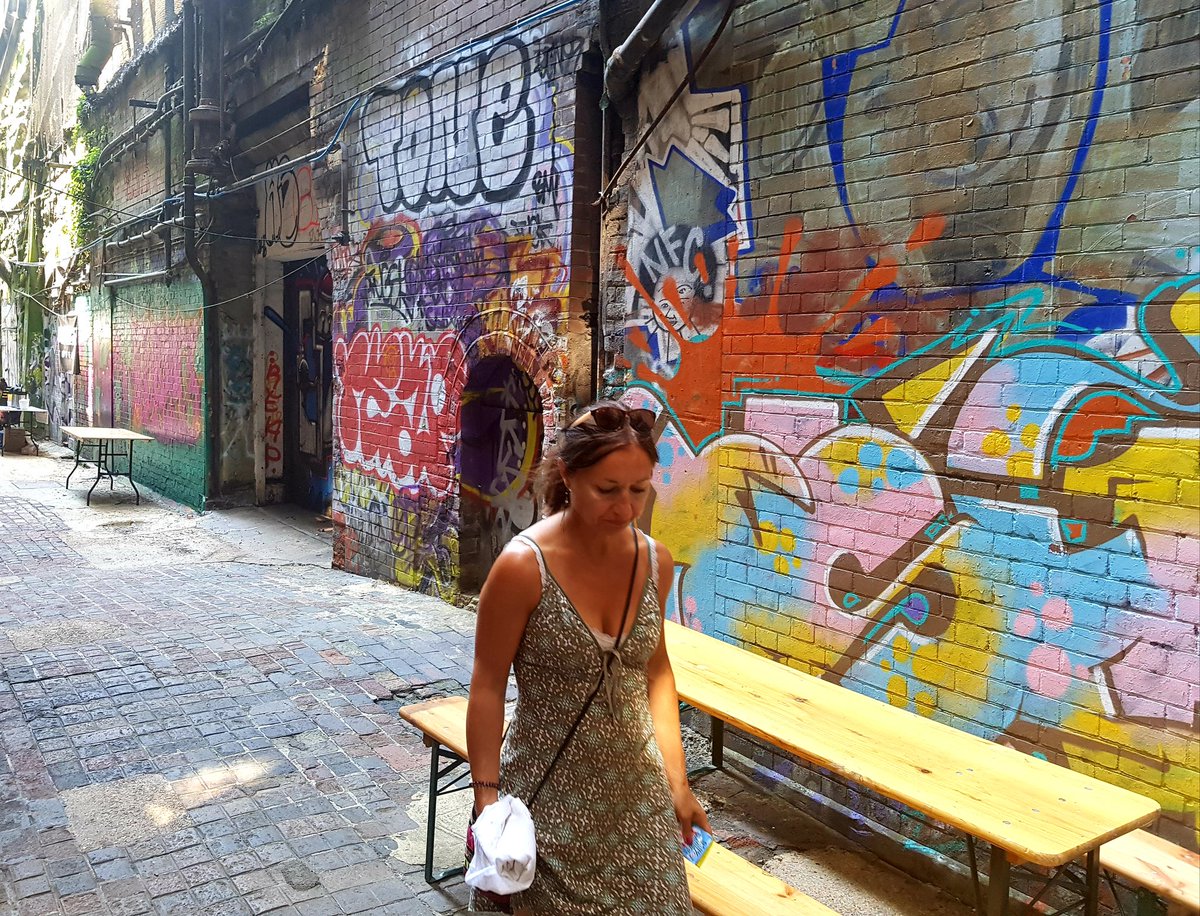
{"x": 398, "y": 406}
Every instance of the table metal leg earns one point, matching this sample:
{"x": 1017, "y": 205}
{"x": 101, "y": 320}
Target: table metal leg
{"x": 998, "y": 883}
{"x": 1091, "y": 900}
{"x": 136, "y": 494}
{"x": 78, "y": 450}
{"x": 101, "y": 464}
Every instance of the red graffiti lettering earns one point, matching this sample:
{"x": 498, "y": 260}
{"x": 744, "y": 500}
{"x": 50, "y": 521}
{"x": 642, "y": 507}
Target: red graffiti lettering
{"x": 398, "y": 406}
{"x": 274, "y": 413}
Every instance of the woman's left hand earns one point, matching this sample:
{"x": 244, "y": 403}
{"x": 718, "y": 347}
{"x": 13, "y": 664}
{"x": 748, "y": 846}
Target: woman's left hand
{"x": 688, "y": 812}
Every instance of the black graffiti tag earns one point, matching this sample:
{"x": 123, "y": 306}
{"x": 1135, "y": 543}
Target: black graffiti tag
{"x": 462, "y": 132}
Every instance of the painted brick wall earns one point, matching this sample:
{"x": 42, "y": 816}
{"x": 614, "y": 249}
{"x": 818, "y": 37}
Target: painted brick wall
{"x": 461, "y": 180}
{"x": 917, "y": 286}
{"x": 158, "y": 384}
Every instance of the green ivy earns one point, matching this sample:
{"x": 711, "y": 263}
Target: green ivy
{"x": 84, "y": 174}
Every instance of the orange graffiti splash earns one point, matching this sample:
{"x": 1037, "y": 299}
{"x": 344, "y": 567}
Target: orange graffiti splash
{"x": 879, "y": 276}
{"x": 748, "y": 348}
{"x": 928, "y": 229}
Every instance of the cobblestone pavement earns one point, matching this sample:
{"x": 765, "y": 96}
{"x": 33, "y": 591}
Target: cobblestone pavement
{"x": 197, "y": 715}
{"x": 189, "y": 731}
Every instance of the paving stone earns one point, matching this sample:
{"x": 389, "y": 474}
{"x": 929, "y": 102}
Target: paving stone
{"x": 113, "y": 869}
{"x": 356, "y": 900}
{"x": 78, "y": 883}
{"x": 319, "y": 906}
{"x": 82, "y": 904}
{"x": 40, "y": 905}
{"x": 176, "y": 904}
{"x": 32, "y": 887}
{"x": 27, "y": 868}
{"x": 214, "y": 892}
{"x": 136, "y": 905}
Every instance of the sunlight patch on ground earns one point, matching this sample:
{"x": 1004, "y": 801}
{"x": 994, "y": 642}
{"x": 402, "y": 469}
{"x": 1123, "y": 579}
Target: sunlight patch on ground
{"x": 122, "y": 812}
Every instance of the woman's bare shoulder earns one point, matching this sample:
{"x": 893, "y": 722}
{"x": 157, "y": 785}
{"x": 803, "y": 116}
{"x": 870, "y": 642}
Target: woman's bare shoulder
{"x": 517, "y": 568}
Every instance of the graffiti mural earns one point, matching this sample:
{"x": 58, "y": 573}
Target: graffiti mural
{"x": 398, "y": 406}
{"x": 463, "y": 212}
{"x": 463, "y": 132}
{"x": 288, "y": 223}
{"x": 932, "y": 413}
{"x": 501, "y": 438}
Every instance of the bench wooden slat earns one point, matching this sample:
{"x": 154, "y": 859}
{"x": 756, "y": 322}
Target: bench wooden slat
{"x": 443, "y": 720}
{"x": 725, "y": 885}
{"x": 1170, "y": 871}
{"x": 1036, "y": 810}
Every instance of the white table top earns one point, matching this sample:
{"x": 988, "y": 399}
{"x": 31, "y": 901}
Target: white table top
{"x": 13, "y": 408}
{"x": 105, "y": 434}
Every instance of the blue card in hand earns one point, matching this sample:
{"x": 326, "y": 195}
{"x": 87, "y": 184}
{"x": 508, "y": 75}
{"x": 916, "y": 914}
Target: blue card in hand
{"x": 697, "y": 849}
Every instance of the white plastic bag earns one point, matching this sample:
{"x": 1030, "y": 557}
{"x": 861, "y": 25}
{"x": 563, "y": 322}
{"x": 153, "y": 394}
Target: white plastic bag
{"x": 505, "y": 848}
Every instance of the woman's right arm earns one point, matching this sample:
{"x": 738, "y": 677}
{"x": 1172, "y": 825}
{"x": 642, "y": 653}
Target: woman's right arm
{"x": 512, "y": 590}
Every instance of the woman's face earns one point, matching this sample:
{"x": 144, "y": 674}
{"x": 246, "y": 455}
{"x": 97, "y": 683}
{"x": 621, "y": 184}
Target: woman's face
{"x": 612, "y": 492}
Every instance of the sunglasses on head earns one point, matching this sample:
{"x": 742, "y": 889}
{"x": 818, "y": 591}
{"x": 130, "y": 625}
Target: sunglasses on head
{"x": 610, "y": 418}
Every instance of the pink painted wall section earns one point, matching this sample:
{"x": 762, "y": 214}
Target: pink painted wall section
{"x": 160, "y": 376}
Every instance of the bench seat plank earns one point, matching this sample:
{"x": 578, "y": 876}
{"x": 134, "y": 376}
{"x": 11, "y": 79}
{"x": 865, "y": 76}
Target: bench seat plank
{"x": 725, "y": 885}
{"x": 1170, "y": 871}
{"x": 1037, "y": 811}
{"x": 443, "y": 720}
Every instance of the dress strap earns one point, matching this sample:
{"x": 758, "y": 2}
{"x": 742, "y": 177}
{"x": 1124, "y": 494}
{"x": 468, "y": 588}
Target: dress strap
{"x": 653, "y": 548}
{"x": 537, "y": 552}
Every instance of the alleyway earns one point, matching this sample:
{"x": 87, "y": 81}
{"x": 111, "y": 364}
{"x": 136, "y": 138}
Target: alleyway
{"x": 197, "y": 716}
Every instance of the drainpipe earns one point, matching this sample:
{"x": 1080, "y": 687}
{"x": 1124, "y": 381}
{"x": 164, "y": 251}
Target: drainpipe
{"x": 211, "y": 366}
{"x": 623, "y": 64}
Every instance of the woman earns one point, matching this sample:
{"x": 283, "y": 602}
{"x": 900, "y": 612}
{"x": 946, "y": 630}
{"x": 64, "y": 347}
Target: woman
{"x": 615, "y": 802}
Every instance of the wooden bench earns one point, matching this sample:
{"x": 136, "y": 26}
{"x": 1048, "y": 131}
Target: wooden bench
{"x": 725, "y": 885}
{"x": 1162, "y": 868}
{"x": 1028, "y": 809}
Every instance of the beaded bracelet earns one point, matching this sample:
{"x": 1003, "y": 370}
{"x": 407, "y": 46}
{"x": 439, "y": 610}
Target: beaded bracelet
{"x": 482, "y": 784}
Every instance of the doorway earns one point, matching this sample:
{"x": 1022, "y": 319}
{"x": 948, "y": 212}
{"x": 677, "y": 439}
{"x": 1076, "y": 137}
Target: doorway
{"x": 500, "y": 421}
{"x": 298, "y": 389}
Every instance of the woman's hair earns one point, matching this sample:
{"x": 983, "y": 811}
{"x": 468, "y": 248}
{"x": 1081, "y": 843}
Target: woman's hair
{"x": 582, "y": 446}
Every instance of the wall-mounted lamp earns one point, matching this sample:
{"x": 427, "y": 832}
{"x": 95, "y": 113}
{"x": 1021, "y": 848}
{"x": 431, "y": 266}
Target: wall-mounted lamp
{"x": 142, "y": 103}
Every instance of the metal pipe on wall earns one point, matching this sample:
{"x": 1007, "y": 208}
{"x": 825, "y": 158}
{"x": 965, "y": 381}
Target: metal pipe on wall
{"x": 624, "y": 61}
{"x": 163, "y": 111}
{"x": 211, "y": 369}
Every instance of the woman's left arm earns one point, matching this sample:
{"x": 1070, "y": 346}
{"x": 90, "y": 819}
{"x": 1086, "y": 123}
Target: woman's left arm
{"x": 664, "y": 708}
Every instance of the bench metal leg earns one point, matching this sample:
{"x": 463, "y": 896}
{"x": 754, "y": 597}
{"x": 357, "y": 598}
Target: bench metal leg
{"x": 975, "y": 875}
{"x": 437, "y": 786}
{"x": 1091, "y": 900}
{"x": 717, "y": 731}
{"x": 998, "y": 882}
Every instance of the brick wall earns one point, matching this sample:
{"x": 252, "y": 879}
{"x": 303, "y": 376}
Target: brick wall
{"x": 158, "y": 373}
{"x": 917, "y": 286}
{"x": 461, "y": 192}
